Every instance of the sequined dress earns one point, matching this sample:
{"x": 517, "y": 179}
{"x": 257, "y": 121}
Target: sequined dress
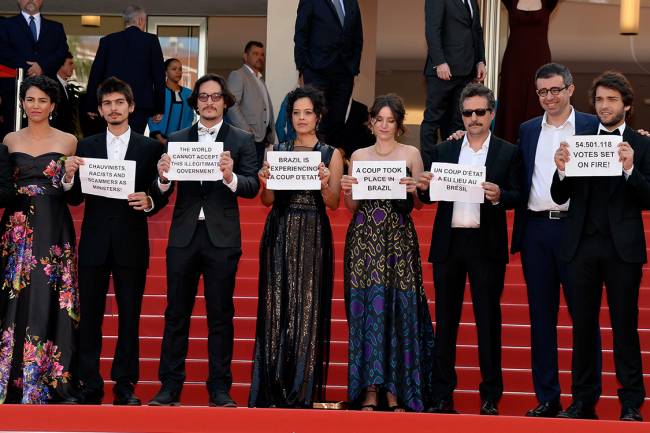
{"x": 391, "y": 335}
{"x": 294, "y": 301}
{"x": 39, "y": 303}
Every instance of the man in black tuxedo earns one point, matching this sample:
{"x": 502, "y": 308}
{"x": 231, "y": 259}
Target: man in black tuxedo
{"x": 63, "y": 115}
{"x": 31, "y": 42}
{"x": 205, "y": 239}
{"x": 472, "y": 239}
{"x": 328, "y": 42}
{"x": 114, "y": 240}
{"x": 604, "y": 242}
{"x": 456, "y": 56}
{"x": 356, "y": 133}
{"x": 134, "y": 56}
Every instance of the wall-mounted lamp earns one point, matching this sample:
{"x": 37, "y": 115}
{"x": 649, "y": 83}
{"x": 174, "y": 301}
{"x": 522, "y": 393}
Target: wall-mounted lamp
{"x": 91, "y": 20}
{"x": 630, "y": 10}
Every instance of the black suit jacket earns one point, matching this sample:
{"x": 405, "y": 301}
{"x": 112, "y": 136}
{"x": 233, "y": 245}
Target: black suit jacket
{"x": 321, "y": 41}
{"x": 219, "y": 203}
{"x": 133, "y": 56}
{"x": 529, "y": 133}
{"x": 356, "y": 134}
{"x": 624, "y": 199}
{"x": 502, "y": 167}
{"x": 111, "y": 226}
{"x": 17, "y": 46}
{"x": 7, "y": 189}
{"x": 453, "y": 36}
{"x": 63, "y": 113}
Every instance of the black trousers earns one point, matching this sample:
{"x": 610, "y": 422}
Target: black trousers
{"x": 128, "y": 284}
{"x": 442, "y": 111}
{"x": 184, "y": 267}
{"x": 596, "y": 262}
{"x": 337, "y": 84}
{"x": 486, "y": 278}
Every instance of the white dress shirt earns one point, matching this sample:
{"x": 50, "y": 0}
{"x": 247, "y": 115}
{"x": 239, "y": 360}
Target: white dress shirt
{"x": 263, "y": 89}
{"x": 468, "y": 215}
{"x": 204, "y": 138}
{"x": 37, "y": 22}
{"x": 549, "y": 141}
{"x": 116, "y": 145}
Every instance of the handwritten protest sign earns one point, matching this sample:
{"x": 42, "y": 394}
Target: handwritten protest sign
{"x": 455, "y": 182}
{"x": 378, "y": 180}
{"x": 195, "y": 161}
{"x": 593, "y": 155}
{"x": 293, "y": 170}
{"x": 107, "y": 178}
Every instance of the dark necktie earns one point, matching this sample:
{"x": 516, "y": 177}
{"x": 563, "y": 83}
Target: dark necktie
{"x": 605, "y": 132}
{"x": 32, "y": 28}
{"x": 466, "y": 4}
{"x": 339, "y": 10}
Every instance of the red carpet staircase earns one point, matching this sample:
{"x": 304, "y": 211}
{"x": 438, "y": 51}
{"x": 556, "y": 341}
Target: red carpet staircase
{"x": 518, "y": 395}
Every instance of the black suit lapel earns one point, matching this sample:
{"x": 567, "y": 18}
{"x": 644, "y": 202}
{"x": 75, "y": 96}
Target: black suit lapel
{"x": 533, "y": 152}
{"x": 132, "y": 148}
{"x": 456, "y": 150}
{"x": 463, "y": 9}
{"x": 493, "y": 152}
{"x": 222, "y": 135}
{"x": 100, "y": 146}
{"x": 42, "y": 34}
{"x": 336, "y": 16}
{"x": 25, "y": 27}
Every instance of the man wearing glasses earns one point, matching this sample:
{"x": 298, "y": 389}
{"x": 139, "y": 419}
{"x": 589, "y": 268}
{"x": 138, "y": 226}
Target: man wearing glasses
{"x": 471, "y": 239}
{"x": 538, "y": 226}
{"x": 205, "y": 239}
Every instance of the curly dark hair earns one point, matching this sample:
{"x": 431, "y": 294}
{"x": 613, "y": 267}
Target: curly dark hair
{"x": 396, "y": 106}
{"x": 614, "y": 80}
{"x": 170, "y": 60}
{"x": 43, "y": 83}
{"x": 316, "y": 96}
{"x": 228, "y": 97}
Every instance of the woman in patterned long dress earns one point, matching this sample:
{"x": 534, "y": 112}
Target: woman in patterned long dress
{"x": 39, "y": 307}
{"x": 296, "y": 272}
{"x": 391, "y": 335}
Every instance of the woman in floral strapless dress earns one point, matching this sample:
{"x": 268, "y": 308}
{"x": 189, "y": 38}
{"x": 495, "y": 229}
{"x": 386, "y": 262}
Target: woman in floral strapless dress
{"x": 39, "y": 303}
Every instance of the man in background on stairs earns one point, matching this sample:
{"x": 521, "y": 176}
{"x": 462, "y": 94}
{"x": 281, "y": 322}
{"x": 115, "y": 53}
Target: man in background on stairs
{"x": 603, "y": 242}
{"x": 471, "y": 240}
{"x": 205, "y": 239}
{"x": 252, "y": 111}
{"x": 114, "y": 241}
{"x": 538, "y": 225}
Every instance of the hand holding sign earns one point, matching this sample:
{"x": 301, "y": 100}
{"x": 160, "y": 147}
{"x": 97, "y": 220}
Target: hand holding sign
{"x": 346, "y": 184}
{"x": 226, "y": 166}
{"x": 163, "y": 166}
{"x": 324, "y": 175}
{"x": 492, "y": 192}
{"x": 424, "y": 180}
{"x": 72, "y": 164}
{"x": 626, "y": 155}
{"x": 409, "y": 182}
{"x": 562, "y": 156}
{"x": 264, "y": 174}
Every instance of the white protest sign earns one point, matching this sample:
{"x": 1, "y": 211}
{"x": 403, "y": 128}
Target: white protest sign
{"x": 378, "y": 180}
{"x": 293, "y": 170}
{"x": 107, "y": 177}
{"x": 594, "y": 155}
{"x": 195, "y": 160}
{"x": 455, "y": 182}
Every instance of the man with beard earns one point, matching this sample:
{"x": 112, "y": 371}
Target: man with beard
{"x": 604, "y": 242}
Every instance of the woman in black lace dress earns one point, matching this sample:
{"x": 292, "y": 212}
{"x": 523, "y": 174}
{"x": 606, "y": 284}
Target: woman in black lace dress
{"x": 296, "y": 272}
{"x": 39, "y": 303}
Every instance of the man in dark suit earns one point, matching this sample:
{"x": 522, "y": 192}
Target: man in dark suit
{"x": 356, "y": 133}
{"x": 604, "y": 242}
{"x": 7, "y": 189}
{"x": 63, "y": 115}
{"x": 114, "y": 240}
{"x": 328, "y": 42}
{"x": 472, "y": 239}
{"x": 456, "y": 56}
{"x": 134, "y": 56}
{"x": 31, "y": 42}
{"x": 538, "y": 225}
{"x": 205, "y": 239}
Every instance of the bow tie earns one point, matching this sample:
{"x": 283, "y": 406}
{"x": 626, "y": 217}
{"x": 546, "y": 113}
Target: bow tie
{"x": 614, "y": 132}
{"x": 203, "y": 130}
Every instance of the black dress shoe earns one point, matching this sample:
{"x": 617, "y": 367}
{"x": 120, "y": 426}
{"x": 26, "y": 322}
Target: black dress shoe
{"x": 126, "y": 398}
{"x": 548, "y": 409}
{"x": 221, "y": 399}
{"x": 166, "y": 397}
{"x": 91, "y": 396}
{"x": 442, "y": 406}
{"x": 579, "y": 410}
{"x": 630, "y": 413}
{"x": 489, "y": 407}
